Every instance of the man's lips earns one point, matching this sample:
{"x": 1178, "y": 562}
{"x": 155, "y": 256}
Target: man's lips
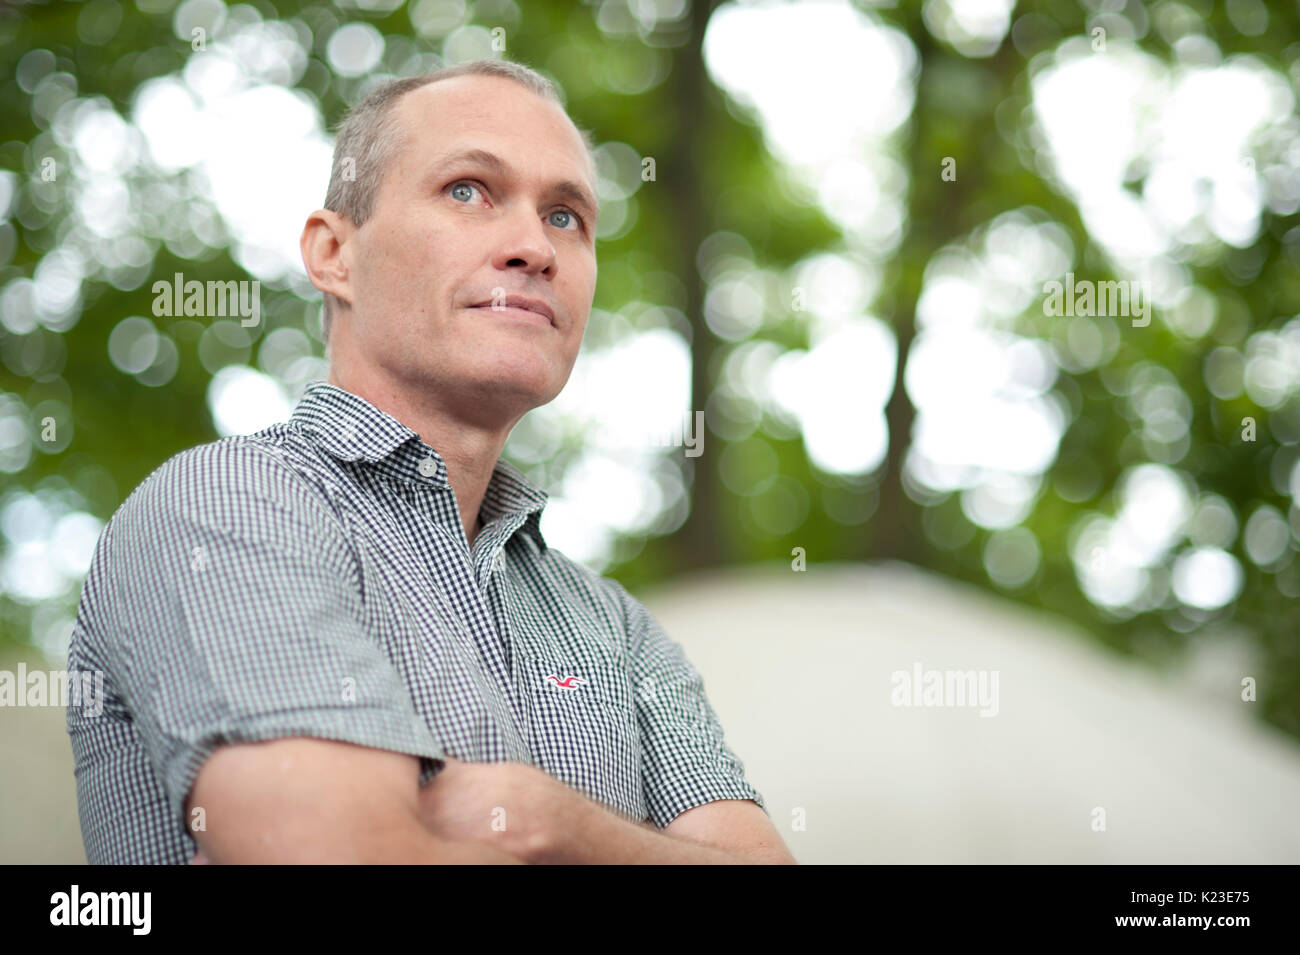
{"x": 521, "y": 314}
{"x": 519, "y": 306}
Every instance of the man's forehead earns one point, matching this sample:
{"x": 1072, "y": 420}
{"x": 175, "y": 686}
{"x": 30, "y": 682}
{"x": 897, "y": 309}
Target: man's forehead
{"x": 476, "y": 118}
{"x": 463, "y": 106}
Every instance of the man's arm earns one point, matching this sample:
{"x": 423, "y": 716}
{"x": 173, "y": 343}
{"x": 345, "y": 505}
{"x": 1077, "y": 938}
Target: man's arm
{"x": 733, "y": 825}
{"x": 724, "y": 832}
{"x": 309, "y": 801}
{"x": 548, "y": 822}
{"x": 694, "y": 782}
{"x": 230, "y": 599}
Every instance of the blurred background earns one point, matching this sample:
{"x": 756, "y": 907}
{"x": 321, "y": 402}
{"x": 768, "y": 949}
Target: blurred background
{"x": 830, "y": 228}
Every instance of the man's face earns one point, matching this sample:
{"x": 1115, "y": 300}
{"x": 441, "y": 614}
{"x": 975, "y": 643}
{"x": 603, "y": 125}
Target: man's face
{"x": 447, "y": 235}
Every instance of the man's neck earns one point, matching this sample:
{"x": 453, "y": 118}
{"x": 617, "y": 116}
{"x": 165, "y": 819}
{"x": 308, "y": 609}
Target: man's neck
{"x": 470, "y": 452}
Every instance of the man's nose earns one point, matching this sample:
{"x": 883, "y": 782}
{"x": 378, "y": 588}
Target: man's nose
{"x": 525, "y": 244}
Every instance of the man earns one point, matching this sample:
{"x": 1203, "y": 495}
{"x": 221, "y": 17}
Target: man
{"x": 344, "y": 638}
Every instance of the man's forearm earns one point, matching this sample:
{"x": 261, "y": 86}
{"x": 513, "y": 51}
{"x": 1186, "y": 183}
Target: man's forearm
{"x": 451, "y": 853}
{"x": 582, "y": 832}
{"x": 400, "y": 844}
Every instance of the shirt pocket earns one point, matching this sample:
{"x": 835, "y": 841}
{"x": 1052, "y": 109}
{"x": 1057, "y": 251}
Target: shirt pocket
{"x": 582, "y": 728}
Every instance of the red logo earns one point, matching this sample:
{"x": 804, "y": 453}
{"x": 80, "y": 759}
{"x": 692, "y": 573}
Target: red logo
{"x": 568, "y": 683}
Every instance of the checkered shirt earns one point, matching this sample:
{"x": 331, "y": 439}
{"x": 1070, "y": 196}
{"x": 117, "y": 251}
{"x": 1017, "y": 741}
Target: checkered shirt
{"x": 315, "y": 580}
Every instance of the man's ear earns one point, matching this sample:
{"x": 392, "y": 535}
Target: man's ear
{"x": 326, "y": 253}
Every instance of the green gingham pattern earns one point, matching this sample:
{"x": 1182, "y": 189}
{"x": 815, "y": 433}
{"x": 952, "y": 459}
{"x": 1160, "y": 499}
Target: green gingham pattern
{"x": 314, "y": 579}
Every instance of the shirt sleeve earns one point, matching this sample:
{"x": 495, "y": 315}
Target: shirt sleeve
{"x": 686, "y": 761}
{"x": 228, "y": 600}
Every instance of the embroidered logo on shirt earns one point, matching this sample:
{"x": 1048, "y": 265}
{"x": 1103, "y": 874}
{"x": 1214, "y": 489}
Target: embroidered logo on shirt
{"x": 568, "y": 683}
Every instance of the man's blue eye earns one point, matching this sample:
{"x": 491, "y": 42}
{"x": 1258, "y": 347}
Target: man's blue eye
{"x": 576, "y": 224}
{"x": 564, "y": 212}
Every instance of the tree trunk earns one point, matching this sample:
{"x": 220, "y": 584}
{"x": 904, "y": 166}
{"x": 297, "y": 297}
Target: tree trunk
{"x": 701, "y": 540}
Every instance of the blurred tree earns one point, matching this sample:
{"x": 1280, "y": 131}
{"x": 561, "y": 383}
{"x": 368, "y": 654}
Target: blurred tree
{"x": 644, "y": 82}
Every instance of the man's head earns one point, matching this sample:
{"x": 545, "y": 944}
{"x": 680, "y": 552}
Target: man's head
{"x": 466, "y": 186}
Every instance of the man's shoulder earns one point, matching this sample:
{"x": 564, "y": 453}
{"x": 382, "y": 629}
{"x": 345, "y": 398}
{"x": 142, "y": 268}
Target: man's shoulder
{"x": 264, "y": 484}
{"x": 231, "y": 492}
{"x": 260, "y": 462}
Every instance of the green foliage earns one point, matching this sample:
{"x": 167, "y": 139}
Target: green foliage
{"x": 714, "y": 175}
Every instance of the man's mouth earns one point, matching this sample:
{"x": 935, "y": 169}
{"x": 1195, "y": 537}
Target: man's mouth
{"x": 520, "y": 307}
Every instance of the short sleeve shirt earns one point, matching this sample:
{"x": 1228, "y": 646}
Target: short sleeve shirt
{"x": 314, "y": 579}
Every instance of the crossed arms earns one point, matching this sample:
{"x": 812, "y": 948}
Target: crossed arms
{"x": 311, "y": 801}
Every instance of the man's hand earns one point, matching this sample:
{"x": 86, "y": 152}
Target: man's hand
{"x": 520, "y": 810}
{"x": 509, "y": 806}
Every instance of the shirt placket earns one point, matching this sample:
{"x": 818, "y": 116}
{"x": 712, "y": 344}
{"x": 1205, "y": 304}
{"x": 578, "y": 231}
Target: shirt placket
{"x": 491, "y": 567}
{"x": 475, "y": 568}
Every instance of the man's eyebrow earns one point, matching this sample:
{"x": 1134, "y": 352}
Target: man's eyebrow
{"x": 575, "y": 192}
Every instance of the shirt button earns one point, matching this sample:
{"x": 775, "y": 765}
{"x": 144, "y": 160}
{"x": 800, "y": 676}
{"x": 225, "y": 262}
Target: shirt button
{"x": 428, "y": 467}
{"x": 499, "y": 563}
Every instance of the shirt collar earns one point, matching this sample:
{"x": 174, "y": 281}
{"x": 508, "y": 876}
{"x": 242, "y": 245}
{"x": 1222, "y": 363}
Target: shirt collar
{"x": 352, "y": 429}
{"x": 348, "y": 426}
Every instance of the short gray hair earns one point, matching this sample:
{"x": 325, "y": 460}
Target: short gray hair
{"x": 370, "y": 134}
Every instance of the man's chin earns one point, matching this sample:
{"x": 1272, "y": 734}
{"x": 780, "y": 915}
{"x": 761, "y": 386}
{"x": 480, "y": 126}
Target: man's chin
{"x": 504, "y": 399}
